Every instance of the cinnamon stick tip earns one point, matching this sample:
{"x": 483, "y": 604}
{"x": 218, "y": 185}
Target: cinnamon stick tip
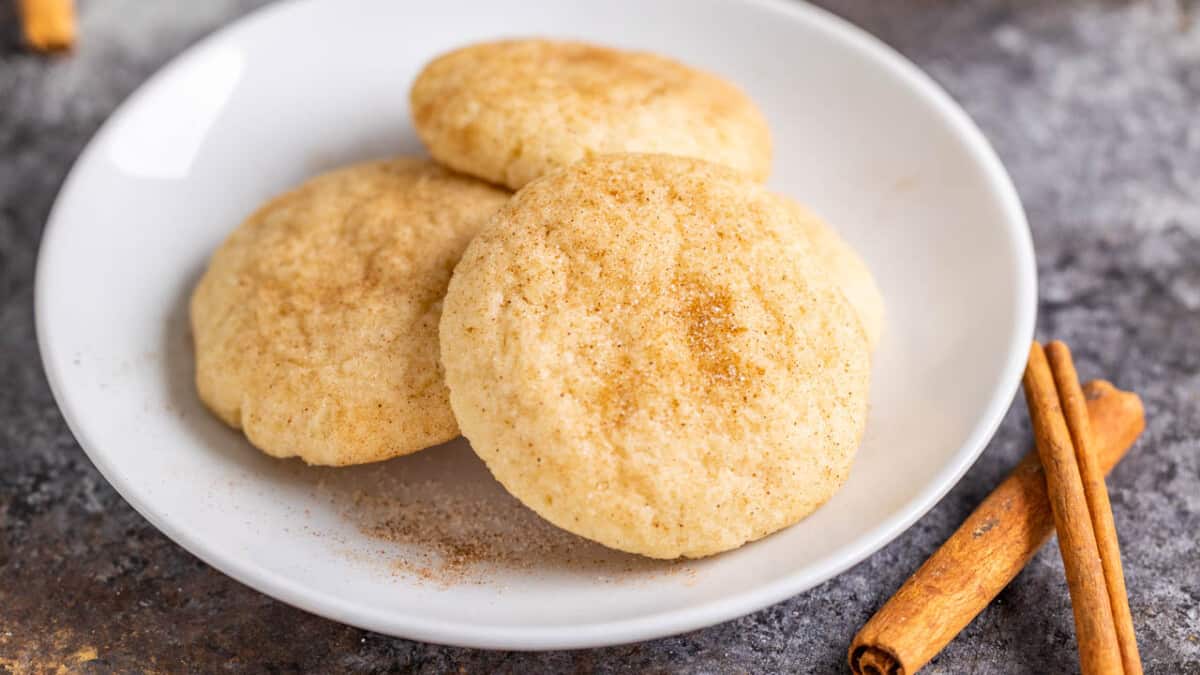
{"x": 1059, "y": 355}
{"x": 1098, "y": 389}
{"x": 874, "y": 660}
{"x": 49, "y": 25}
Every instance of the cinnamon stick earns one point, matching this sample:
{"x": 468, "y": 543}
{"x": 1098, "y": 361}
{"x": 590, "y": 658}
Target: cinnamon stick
{"x": 994, "y": 543}
{"x": 1095, "y": 632}
{"x": 1074, "y": 408}
{"x": 49, "y": 25}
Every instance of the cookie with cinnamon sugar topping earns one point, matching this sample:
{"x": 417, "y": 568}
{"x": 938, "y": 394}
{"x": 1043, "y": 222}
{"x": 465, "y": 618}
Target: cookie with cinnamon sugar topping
{"x": 645, "y": 351}
{"x": 512, "y": 110}
{"x": 316, "y": 322}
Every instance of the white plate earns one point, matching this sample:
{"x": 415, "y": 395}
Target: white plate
{"x": 860, "y": 135}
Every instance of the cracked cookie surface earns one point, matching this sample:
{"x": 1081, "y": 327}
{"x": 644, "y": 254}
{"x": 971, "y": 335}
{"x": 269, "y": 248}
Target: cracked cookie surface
{"x": 315, "y": 324}
{"x": 645, "y": 351}
{"x": 513, "y": 110}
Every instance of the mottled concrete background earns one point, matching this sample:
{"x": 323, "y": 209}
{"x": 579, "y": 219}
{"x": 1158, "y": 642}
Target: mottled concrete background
{"x": 1093, "y": 106}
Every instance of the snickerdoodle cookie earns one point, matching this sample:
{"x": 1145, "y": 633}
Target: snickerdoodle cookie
{"x": 511, "y": 111}
{"x": 645, "y": 351}
{"x": 315, "y": 324}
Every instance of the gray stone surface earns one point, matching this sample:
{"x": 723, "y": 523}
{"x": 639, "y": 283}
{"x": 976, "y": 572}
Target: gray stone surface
{"x": 1093, "y": 106}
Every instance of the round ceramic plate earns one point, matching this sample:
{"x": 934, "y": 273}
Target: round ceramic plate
{"x": 429, "y": 546}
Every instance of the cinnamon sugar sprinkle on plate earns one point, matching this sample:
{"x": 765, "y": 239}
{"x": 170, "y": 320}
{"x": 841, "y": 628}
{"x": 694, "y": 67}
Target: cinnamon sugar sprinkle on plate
{"x": 446, "y": 522}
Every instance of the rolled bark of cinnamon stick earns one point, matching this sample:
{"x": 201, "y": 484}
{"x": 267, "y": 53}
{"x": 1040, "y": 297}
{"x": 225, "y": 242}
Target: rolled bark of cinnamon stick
{"x": 1074, "y": 406}
{"x": 49, "y": 25}
{"x": 995, "y": 542}
{"x": 1095, "y": 632}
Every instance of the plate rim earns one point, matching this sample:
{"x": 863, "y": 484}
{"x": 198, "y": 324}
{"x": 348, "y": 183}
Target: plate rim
{"x": 648, "y": 626}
